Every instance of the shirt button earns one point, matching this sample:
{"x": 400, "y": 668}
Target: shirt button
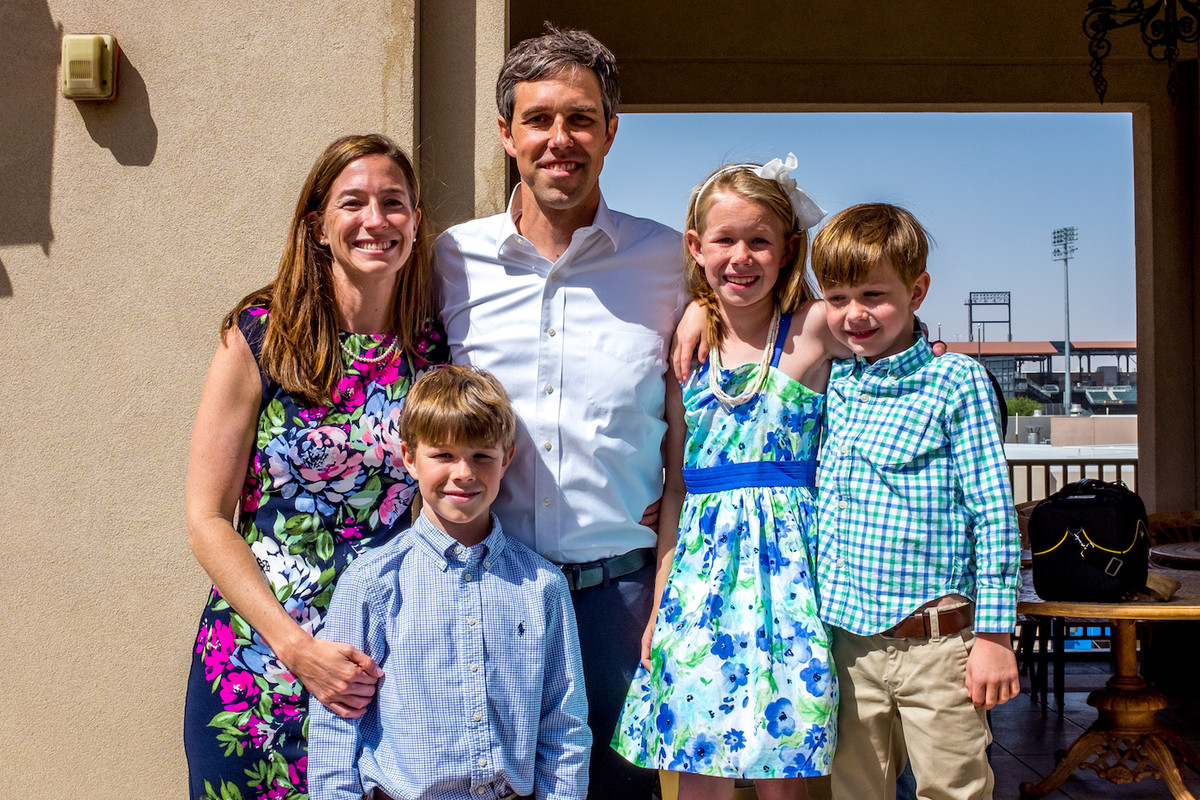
{"x": 545, "y": 501}
{"x": 549, "y": 389}
{"x": 459, "y": 550}
{"x": 552, "y": 332}
{"x": 477, "y": 717}
{"x": 487, "y": 565}
{"x": 862, "y": 396}
{"x": 474, "y": 668}
{"x": 553, "y": 276}
{"x": 546, "y": 554}
{"x": 481, "y": 761}
{"x": 467, "y": 578}
{"x": 548, "y": 447}
{"x": 478, "y": 790}
{"x": 470, "y": 620}
{"x": 843, "y": 504}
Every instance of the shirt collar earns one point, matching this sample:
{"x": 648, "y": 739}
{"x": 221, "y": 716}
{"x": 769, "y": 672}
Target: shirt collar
{"x": 900, "y": 365}
{"x": 604, "y": 222}
{"x": 443, "y": 544}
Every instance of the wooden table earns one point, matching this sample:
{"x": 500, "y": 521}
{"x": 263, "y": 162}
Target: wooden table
{"x": 1176, "y": 555}
{"x": 1126, "y": 743}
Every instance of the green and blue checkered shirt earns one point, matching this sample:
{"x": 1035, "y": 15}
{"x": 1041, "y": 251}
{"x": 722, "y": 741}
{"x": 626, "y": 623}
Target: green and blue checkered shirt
{"x": 914, "y": 499}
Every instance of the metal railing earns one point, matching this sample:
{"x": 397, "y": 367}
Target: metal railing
{"x": 1034, "y": 479}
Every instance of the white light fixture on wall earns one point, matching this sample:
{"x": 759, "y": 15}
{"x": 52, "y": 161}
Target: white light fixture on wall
{"x": 89, "y": 66}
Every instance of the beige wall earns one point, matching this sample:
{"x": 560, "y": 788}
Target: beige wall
{"x": 127, "y": 229}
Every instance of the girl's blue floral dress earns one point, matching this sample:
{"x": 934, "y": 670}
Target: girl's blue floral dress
{"x": 324, "y": 484}
{"x": 742, "y": 684}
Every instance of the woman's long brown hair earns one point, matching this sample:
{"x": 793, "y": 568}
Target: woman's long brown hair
{"x": 301, "y": 351}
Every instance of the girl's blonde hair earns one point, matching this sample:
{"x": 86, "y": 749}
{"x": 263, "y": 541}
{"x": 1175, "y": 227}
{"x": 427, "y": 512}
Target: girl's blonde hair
{"x": 792, "y": 288}
{"x": 301, "y": 350}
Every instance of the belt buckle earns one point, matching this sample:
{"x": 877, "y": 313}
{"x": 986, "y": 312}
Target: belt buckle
{"x": 583, "y": 576}
{"x": 591, "y": 574}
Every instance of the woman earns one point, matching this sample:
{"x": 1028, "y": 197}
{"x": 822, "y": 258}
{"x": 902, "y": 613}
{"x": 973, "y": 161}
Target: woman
{"x": 295, "y": 465}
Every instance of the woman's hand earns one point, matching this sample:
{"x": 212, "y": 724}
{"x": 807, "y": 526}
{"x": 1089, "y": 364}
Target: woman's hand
{"x": 341, "y": 676}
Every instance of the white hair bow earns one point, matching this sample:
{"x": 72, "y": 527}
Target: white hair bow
{"x": 807, "y": 212}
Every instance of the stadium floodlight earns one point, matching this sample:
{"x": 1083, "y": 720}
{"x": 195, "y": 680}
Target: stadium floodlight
{"x": 1064, "y": 240}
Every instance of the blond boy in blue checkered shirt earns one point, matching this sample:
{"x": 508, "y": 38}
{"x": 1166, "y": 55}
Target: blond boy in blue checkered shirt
{"x": 918, "y": 556}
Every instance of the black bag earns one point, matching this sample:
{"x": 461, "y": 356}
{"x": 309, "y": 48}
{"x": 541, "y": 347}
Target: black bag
{"x": 1089, "y": 543}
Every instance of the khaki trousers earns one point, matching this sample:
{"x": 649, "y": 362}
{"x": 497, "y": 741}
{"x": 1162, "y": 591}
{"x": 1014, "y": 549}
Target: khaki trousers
{"x": 906, "y": 699}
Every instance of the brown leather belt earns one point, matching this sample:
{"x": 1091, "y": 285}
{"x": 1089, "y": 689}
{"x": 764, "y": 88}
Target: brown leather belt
{"x": 934, "y": 622}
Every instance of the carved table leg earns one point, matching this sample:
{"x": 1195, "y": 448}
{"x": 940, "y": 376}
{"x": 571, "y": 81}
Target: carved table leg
{"x": 1090, "y": 744}
{"x": 1125, "y": 743}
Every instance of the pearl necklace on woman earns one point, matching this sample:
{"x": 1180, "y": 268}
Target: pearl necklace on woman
{"x": 391, "y": 349}
{"x": 714, "y": 368}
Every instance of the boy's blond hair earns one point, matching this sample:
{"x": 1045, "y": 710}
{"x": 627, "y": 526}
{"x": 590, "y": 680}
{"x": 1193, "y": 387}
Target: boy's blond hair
{"x": 458, "y": 405}
{"x": 848, "y": 247}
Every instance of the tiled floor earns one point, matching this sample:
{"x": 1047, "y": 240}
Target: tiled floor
{"x": 1026, "y": 741}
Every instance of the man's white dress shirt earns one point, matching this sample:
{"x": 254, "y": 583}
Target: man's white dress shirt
{"x": 581, "y": 346}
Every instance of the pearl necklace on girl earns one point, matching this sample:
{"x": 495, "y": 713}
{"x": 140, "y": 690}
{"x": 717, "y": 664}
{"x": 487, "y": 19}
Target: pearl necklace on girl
{"x": 757, "y": 384}
{"x": 391, "y": 349}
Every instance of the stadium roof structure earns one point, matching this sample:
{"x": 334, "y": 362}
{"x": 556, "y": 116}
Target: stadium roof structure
{"x": 1045, "y": 348}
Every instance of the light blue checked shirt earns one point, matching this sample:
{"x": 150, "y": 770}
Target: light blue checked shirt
{"x": 914, "y": 499}
{"x": 482, "y": 694}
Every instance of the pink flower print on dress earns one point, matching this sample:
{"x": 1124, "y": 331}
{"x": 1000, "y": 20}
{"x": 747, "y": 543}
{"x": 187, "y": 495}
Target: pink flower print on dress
{"x": 288, "y": 706}
{"x": 314, "y": 414}
{"x": 384, "y": 373}
{"x": 239, "y": 691}
{"x": 316, "y": 470}
{"x": 217, "y": 645}
{"x": 396, "y": 501}
{"x": 349, "y": 394}
{"x": 273, "y": 792}
{"x": 351, "y": 530}
{"x": 379, "y": 430}
{"x": 252, "y": 487}
{"x": 260, "y": 732}
{"x": 298, "y": 774}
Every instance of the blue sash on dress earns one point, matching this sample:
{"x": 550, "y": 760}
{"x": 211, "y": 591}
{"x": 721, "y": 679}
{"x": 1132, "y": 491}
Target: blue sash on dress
{"x": 702, "y": 480}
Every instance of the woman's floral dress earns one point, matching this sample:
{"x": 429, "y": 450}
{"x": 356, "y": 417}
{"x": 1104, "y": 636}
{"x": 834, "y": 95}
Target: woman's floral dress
{"x": 324, "y": 484}
{"x": 742, "y": 684}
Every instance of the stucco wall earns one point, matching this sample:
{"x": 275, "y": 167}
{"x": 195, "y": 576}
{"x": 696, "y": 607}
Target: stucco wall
{"x": 127, "y": 230}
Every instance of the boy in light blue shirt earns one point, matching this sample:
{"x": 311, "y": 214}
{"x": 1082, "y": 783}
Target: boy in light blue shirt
{"x": 482, "y": 694}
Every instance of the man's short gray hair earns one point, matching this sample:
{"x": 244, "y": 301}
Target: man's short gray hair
{"x": 546, "y": 56}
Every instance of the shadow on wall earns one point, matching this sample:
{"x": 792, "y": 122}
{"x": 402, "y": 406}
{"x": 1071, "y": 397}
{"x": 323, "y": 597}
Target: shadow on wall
{"x": 30, "y": 42}
{"x": 124, "y": 126}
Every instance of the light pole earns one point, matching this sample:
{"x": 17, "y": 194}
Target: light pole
{"x": 1064, "y": 249}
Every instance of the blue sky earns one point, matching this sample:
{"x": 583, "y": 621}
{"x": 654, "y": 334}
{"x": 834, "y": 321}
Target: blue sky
{"x": 989, "y": 188}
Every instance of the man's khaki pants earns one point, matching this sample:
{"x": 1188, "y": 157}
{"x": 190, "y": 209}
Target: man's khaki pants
{"x": 906, "y": 699}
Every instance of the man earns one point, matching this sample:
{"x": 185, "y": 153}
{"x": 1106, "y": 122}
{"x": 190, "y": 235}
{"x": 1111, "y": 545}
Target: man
{"x": 572, "y": 306}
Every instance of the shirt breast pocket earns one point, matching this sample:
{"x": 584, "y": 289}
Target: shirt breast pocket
{"x": 907, "y": 440}
{"x": 519, "y": 641}
{"x": 624, "y": 369}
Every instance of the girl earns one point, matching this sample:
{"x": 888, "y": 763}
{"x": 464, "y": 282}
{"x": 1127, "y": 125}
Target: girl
{"x": 736, "y": 680}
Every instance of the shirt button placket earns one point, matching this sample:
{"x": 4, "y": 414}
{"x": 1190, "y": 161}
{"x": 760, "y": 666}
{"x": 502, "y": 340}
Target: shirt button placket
{"x": 549, "y": 404}
{"x": 473, "y": 656}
